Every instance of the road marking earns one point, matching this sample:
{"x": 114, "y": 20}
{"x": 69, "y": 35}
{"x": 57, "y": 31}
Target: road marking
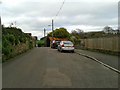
{"x": 55, "y": 78}
{"x": 106, "y": 65}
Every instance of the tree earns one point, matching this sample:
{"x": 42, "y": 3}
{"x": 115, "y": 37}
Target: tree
{"x": 75, "y": 34}
{"x": 78, "y": 33}
{"x": 107, "y": 29}
{"x": 60, "y": 33}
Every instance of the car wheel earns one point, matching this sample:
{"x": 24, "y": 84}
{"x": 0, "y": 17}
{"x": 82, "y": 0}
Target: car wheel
{"x": 73, "y": 51}
{"x": 61, "y": 50}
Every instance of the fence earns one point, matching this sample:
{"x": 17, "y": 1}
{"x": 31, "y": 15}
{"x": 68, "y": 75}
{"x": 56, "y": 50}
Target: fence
{"x": 104, "y": 43}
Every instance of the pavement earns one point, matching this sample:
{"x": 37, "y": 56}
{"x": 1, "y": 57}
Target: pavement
{"x": 47, "y": 68}
{"x": 110, "y": 60}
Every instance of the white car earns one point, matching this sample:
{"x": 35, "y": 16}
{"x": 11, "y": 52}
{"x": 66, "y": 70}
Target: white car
{"x": 66, "y": 46}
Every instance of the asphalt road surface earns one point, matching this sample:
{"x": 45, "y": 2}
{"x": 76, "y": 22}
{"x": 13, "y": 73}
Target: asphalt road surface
{"x": 111, "y": 60}
{"x": 48, "y": 68}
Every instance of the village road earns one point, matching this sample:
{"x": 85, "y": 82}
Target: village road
{"x": 44, "y": 67}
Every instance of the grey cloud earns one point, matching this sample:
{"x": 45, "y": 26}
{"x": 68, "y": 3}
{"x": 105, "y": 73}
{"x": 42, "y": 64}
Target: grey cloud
{"x": 33, "y": 9}
{"x": 28, "y": 15}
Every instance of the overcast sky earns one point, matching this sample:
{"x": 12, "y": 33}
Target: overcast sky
{"x": 32, "y": 16}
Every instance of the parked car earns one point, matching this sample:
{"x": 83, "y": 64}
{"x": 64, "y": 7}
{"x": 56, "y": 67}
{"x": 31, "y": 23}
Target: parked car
{"x": 66, "y": 46}
{"x": 55, "y": 44}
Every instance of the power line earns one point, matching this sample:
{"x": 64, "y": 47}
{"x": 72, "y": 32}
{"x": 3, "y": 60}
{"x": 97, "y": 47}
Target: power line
{"x": 55, "y": 17}
{"x": 59, "y": 9}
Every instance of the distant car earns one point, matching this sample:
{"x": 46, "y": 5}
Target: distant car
{"x": 55, "y": 44}
{"x": 66, "y": 46}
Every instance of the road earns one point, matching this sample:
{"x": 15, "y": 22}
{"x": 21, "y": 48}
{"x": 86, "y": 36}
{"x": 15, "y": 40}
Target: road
{"x": 111, "y": 60}
{"x": 48, "y": 68}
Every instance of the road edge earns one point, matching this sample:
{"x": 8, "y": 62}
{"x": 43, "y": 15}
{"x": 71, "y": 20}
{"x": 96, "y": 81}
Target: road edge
{"x": 93, "y": 58}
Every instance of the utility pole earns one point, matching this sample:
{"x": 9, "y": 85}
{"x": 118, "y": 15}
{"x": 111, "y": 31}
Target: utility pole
{"x": 15, "y": 24}
{"x": 44, "y": 32}
{"x": 52, "y": 28}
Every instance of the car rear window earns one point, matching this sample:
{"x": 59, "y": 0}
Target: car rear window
{"x": 58, "y": 42}
{"x": 67, "y": 42}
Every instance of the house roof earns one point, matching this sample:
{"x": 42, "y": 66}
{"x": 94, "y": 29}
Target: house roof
{"x": 61, "y": 39}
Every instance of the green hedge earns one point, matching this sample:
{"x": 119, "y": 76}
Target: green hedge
{"x": 41, "y": 43}
{"x": 11, "y": 39}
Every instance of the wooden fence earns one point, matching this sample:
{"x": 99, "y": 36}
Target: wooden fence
{"x": 104, "y": 43}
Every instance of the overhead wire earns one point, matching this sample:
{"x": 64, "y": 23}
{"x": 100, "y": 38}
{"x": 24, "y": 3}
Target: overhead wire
{"x": 59, "y": 9}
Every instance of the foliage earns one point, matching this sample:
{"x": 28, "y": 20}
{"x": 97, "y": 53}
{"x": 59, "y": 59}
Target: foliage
{"x": 17, "y": 41}
{"x": 107, "y": 29}
{"x": 13, "y": 38}
{"x": 60, "y": 33}
{"x": 7, "y": 50}
{"x": 78, "y": 33}
{"x": 30, "y": 45}
{"x": 41, "y": 43}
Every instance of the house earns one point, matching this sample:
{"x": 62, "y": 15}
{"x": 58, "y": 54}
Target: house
{"x": 112, "y": 31}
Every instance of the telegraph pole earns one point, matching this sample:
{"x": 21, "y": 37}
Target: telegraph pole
{"x": 44, "y": 32}
{"x": 52, "y": 27}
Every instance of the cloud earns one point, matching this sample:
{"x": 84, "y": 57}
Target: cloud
{"x": 34, "y": 16}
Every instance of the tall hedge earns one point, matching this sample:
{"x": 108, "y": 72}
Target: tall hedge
{"x": 14, "y": 42}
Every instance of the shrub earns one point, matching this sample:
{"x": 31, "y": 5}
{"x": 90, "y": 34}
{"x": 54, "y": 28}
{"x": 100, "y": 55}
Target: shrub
{"x": 30, "y": 44}
{"x": 11, "y": 38}
{"x": 7, "y": 50}
{"x": 41, "y": 43}
{"x": 16, "y": 41}
{"x": 22, "y": 39}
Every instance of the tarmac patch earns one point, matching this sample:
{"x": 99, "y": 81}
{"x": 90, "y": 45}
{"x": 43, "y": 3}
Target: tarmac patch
{"x": 54, "y": 78}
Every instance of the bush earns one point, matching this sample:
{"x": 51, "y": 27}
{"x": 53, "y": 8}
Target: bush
{"x": 11, "y": 38}
{"x": 30, "y": 44}
{"x": 5, "y": 42}
{"x": 7, "y": 50}
{"x": 41, "y": 43}
{"x": 17, "y": 41}
{"x": 22, "y": 39}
